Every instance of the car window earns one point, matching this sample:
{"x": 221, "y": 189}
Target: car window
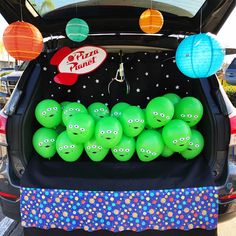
{"x": 176, "y": 7}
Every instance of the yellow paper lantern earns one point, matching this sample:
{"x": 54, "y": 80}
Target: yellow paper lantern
{"x": 151, "y": 21}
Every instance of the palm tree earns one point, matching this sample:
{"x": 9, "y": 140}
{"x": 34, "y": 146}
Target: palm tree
{"x": 47, "y": 5}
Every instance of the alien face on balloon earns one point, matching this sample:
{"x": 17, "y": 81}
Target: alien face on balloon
{"x": 66, "y": 149}
{"x": 44, "y": 142}
{"x": 195, "y": 145}
{"x": 48, "y": 113}
{"x": 190, "y": 110}
{"x": 117, "y": 109}
{"x": 176, "y": 135}
{"x": 132, "y": 120}
{"x": 95, "y": 151}
{"x": 159, "y": 112}
{"x": 149, "y": 145}
{"x": 80, "y": 128}
{"x": 108, "y": 132}
{"x": 125, "y": 149}
{"x": 98, "y": 110}
{"x": 72, "y": 109}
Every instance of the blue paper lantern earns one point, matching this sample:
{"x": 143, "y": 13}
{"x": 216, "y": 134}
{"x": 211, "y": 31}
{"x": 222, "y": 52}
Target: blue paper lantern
{"x": 200, "y": 55}
{"x": 77, "y": 30}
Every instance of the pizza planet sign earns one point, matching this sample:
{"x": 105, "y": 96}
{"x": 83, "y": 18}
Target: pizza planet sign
{"x": 83, "y": 60}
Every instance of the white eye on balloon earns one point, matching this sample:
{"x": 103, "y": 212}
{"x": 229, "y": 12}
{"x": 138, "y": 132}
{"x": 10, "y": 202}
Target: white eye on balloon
{"x": 99, "y": 147}
{"x": 115, "y": 132}
{"x": 40, "y": 144}
{"x": 46, "y": 140}
{"x": 109, "y": 131}
{"x": 106, "y": 111}
{"x": 197, "y": 145}
{"x": 102, "y": 132}
{"x": 196, "y": 116}
{"x": 88, "y": 147}
{"x": 71, "y": 109}
{"x": 148, "y": 151}
{"x": 96, "y": 110}
{"x": 130, "y": 121}
{"x": 182, "y": 115}
{"x": 175, "y": 141}
{"x": 102, "y": 109}
{"x": 189, "y": 115}
{"x": 115, "y": 150}
{"x": 162, "y": 115}
{"x": 142, "y": 150}
{"x": 182, "y": 139}
{"x": 94, "y": 146}
{"x": 65, "y": 146}
{"x": 52, "y": 140}
{"x": 44, "y": 113}
{"x": 72, "y": 146}
{"x": 167, "y": 117}
{"x": 127, "y": 150}
{"x": 154, "y": 153}
{"x": 155, "y": 113}
{"x": 70, "y": 126}
{"x": 82, "y": 129}
{"x": 49, "y": 109}
{"x": 191, "y": 143}
{"x": 187, "y": 138}
{"x": 116, "y": 113}
{"x": 121, "y": 149}
{"x": 60, "y": 148}
{"x": 76, "y": 126}
{"x": 77, "y": 109}
{"x": 142, "y": 121}
{"x": 55, "y": 108}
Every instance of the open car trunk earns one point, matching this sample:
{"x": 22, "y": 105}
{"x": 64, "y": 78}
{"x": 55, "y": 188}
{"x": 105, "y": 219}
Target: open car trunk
{"x": 151, "y": 72}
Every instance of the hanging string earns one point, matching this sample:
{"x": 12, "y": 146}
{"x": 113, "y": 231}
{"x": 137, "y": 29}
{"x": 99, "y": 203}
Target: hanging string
{"x": 76, "y": 9}
{"x": 200, "y": 27}
{"x": 151, "y": 4}
{"x": 21, "y": 14}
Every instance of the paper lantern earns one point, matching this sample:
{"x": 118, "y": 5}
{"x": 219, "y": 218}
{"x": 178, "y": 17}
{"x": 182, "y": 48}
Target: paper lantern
{"x": 77, "y": 30}
{"x": 151, "y": 21}
{"x": 199, "y": 56}
{"x": 23, "y": 41}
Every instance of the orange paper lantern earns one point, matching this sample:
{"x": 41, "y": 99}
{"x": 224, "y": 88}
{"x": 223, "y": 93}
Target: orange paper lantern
{"x": 151, "y": 21}
{"x": 23, "y": 41}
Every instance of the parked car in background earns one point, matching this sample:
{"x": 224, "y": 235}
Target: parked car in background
{"x": 230, "y": 73}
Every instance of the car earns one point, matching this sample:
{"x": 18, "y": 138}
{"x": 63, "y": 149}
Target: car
{"x": 9, "y": 81}
{"x": 230, "y": 73}
{"x": 72, "y": 198}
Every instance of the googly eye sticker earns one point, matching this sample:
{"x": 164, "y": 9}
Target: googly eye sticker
{"x": 96, "y": 110}
{"x": 82, "y": 129}
{"x": 49, "y": 109}
{"x": 148, "y": 151}
{"x": 121, "y": 149}
{"x": 102, "y": 132}
{"x": 115, "y": 132}
{"x": 88, "y": 147}
{"x": 162, "y": 115}
{"x": 182, "y": 139}
{"x": 130, "y": 121}
{"x": 187, "y": 138}
{"x": 142, "y": 150}
{"x": 52, "y": 140}
{"x": 155, "y": 113}
{"x": 196, "y": 116}
{"x": 182, "y": 115}
{"x": 65, "y": 146}
{"x": 46, "y": 140}
{"x": 115, "y": 150}
{"x": 55, "y": 108}
{"x": 175, "y": 141}
{"x": 76, "y": 126}
{"x": 71, "y": 109}
{"x": 99, "y": 147}
{"x": 72, "y": 146}
{"x": 189, "y": 115}
{"x": 136, "y": 120}
{"x": 44, "y": 113}
{"x": 154, "y": 153}
{"x": 101, "y": 109}
{"x": 40, "y": 144}
{"x": 127, "y": 150}
{"x": 197, "y": 145}
{"x": 60, "y": 148}
{"x": 167, "y": 117}
{"x": 190, "y": 143}
{"x": 109, "y": 131}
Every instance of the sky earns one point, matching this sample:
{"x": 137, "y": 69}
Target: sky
{"x": 227, "y": 34}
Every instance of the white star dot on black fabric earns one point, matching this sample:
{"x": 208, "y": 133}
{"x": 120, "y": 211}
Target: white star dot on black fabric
{"x": 69, "y": 91}
{"x": 52, "y": 95}
{"x": 156, "y": 57}
{"x": 117, "y": 99}
{"x": 167, "y": 76}
{"x": 188, "y": 80}
{"x": 127, "y": 58}
{"x": 186, "y": 93}
{"x": 131, "y": 68}
{"x": 78, "y": 101}
{"x": 166, "y": 54}
{"x": 44, "y": 68}
{"x": 165, "y": 88}
{"x": 84, "y": 86}
{"x": 50, "y": 82}
{"x": 162, "y": 65}
{"x": 137, "y": 78}
{"x": 139, "y": 60}
{"x": 174, "y": 61}
{"x": 177, "y": 86}
{"x": 146, "y": 73}
{"x": 106, "y": 104}
{"x": 88, "y": 77}
{"x": 157, "y": 85}
{"x": 112, "y": 58}
{"x": 145, "y": 53}
{"x": 59, "y": 87}
{"x": 138, "y": 90}
{"x": 45, "y": 56}
{"x": 106, "y": 69}
{"x": 91, "y": 96}
{"x": 102, "y": 94}
{"x": 97, "y": 81}
{"x": 148, "y": 98}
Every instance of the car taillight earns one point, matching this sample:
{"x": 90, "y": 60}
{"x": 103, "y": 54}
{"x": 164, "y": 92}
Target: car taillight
{"x": 3, "y": 121}
{"x": 232, "y": 119}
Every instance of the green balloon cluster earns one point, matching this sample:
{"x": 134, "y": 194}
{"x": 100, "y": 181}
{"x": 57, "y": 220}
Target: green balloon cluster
{"x": 69, "y": 128}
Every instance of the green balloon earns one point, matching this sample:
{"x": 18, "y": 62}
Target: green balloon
{"x": 98, "y": 110}
{"x": 132, "y": 120}
{"x": 190, "y": 110}
{"x": 44, "y": 142}
{"x": 72, "y": 109}
{"x": 63, "y": 104}
{"x": 167, "y": 152}
{"x": 117, "y": 109}
{"x": 108, "y": 132}
{"x": 149, "y": 145}
{"x": 48, "y": 113}
{"x": 176, "y": 135}
{"x": 195, "y": 145}
{"x": 159, "y": 112}
{"x": 95, "y": 151}
{"x": 80, "y": 128}
{"x": 125, "y": 149}
{"x": 68, "y": 150}
{"x": 174, "y": 98}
